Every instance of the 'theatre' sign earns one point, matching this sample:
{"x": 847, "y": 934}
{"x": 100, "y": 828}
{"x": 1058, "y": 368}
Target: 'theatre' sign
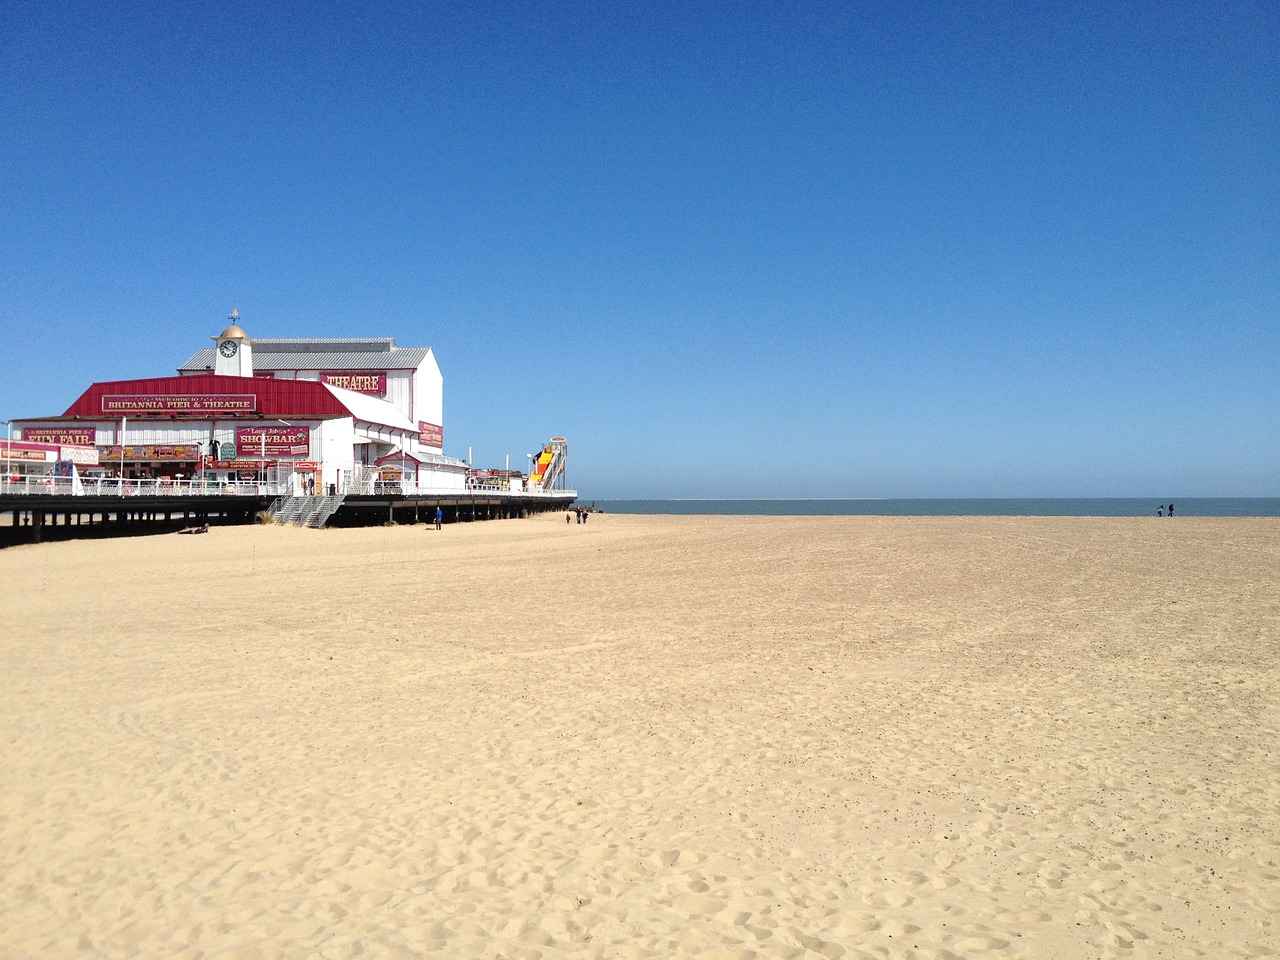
{"x": 374, "y": 384}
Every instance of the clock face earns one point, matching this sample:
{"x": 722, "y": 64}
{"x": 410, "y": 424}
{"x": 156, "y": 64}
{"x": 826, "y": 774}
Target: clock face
{"x": 228, "y": 348}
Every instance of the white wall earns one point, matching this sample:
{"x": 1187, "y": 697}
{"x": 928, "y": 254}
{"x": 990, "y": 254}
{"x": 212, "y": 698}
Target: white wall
{"x": 438, "y": 478}
{"x": 428, "y": 396}
{"x": 334, "y": 449}
{"x": 400, "y": 391}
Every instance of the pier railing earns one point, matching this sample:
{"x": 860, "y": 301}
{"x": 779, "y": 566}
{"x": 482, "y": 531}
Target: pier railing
{"x": 114, "y": 487}
{"x": 400, "y": 488}
{"x": 197, "y": 487}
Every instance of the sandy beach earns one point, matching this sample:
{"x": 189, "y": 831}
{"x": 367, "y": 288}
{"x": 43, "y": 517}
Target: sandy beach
{"x": 646, "y": 737}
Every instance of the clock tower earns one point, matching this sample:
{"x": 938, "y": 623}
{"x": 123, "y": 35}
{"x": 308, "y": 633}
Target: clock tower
{"x": 235, "y": 350}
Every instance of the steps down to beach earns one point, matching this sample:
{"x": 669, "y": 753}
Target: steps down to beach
{"x": 305, "y": 511}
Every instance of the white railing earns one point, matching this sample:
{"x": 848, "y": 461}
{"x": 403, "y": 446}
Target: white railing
{"x": 490, "y": 490}
{"x": 113, "y": 487}
{"x": 504, "y": 489}
{"x": 402, "y": 488}
{"x": 360, "y": 481}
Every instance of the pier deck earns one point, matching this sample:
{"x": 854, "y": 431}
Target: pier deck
{"x": 36, "y": 517}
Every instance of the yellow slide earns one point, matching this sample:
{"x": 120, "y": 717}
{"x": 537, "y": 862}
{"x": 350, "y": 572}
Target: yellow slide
{"x": 540, "y": 466}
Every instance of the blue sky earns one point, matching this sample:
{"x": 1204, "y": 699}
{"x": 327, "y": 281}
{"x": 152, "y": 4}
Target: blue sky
{"x": 766, "y": 249}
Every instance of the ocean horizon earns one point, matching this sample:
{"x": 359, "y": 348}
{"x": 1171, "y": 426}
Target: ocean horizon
{"x": 951, "y": 506}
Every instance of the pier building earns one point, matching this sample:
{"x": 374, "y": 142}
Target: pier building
{"x": 341, "y": 431}
{"x": 312, "y": 415}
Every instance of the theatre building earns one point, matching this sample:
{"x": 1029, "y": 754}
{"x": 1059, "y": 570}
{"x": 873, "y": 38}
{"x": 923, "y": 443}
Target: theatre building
{"x": 315, "y": 414}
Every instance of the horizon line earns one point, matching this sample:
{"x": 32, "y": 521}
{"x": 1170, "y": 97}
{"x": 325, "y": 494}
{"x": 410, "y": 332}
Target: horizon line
{"x": 875, "y": 499}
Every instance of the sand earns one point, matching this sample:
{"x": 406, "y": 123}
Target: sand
{"x": 646, "y": 737}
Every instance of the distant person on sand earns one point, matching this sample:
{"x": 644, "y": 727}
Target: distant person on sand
{"x": 439, "y": 517}
{"x": 1171, "y": 509}
{"x": 1160, "y": 510}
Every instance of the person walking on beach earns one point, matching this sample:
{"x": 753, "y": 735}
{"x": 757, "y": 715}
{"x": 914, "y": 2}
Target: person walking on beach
{"x": 1171, "y": 509}
{"x": 1160, "y": 510}
{"x": 439, "y": 517}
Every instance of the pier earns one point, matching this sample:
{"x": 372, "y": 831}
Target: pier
{"x": 45, "y": 511}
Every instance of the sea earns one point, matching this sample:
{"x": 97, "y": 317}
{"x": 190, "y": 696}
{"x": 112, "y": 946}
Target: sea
{"x": 980, "y": 507}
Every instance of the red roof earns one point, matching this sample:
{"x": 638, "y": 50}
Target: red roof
{"x": 274, "y": 398}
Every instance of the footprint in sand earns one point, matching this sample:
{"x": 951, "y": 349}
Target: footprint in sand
{"x": 855, "y": 923}
{"x": 968, "y": 945}
{"x": 888, "y": 898}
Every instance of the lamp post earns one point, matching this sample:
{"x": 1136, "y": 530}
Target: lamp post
{"x": 264, "y": 451}
{"x": 199, "y": 470}
{"x": 122, "y": 425}
{"x": 8, "y": 451}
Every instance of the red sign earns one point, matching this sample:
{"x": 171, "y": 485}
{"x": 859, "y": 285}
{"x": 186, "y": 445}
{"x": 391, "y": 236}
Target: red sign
{"x": 242, "y": 463}
{"x": 71, "y": 436}
{"x": 374, "y": 384}
{"x": 18, "y": 450}
{"x": 179, "y": 403}
{"x": 177, "y": 453}
{"x": 280, "y": 441}
{"x": 430, "y": 434}
{"x": 304, "y": 466}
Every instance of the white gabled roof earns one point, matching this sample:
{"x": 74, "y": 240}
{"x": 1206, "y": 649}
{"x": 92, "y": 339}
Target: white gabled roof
{"x": 372, "y": 409}
{"x": 376, "y": 353}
